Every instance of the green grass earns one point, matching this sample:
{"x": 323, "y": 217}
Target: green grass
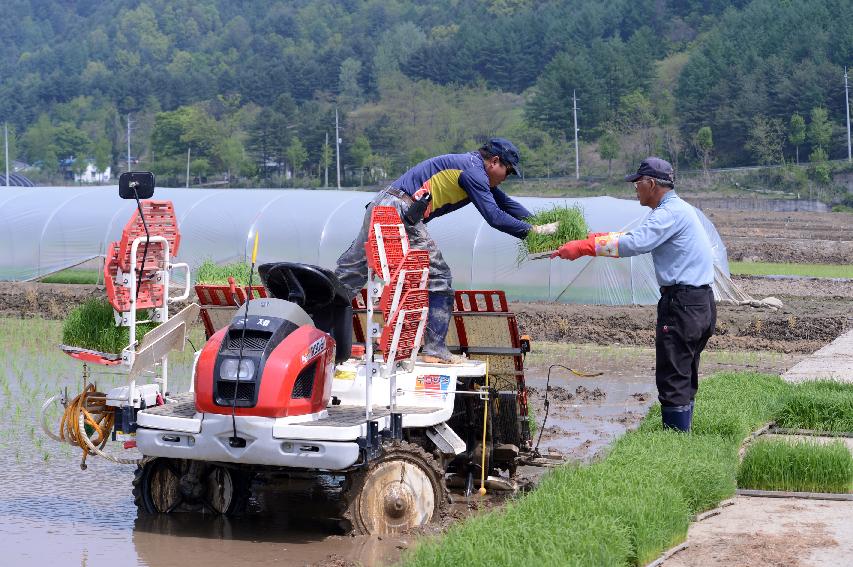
{"x": 215, "y": 274}
{"x": 811, "y": 270}
{"x": 629, "y": 507}
{"x": 820, "y": 405}
{"x": 73, "y": 276}
{"x": 92, "y": 326}
{"x": 572, "y": 227}
{"x": 799, "y": 466}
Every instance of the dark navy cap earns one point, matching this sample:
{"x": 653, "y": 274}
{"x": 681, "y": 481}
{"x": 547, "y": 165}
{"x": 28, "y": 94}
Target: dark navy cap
{"x": 653, "y": 167}
{"x": 505, "y": 150}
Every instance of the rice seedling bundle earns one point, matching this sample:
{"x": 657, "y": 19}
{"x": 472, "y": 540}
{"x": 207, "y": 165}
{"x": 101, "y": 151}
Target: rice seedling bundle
{"x": 572, "y": 227}
{"x": 92, "y": 326}
{"x": 819, "y": 405}
{"x": 214, "y": 274}
{"x": 799, "y": 466}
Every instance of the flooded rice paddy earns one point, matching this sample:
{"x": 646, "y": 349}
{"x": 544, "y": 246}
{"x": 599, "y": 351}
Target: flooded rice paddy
{"x": 54, "y": 513}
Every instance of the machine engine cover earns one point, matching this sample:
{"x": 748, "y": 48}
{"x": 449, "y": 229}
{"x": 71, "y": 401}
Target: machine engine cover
{"x": 285, "y": 369}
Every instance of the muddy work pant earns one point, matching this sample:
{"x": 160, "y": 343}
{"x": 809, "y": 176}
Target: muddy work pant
{"x": 686, "y": 319}
{"x": 352, "y": 271}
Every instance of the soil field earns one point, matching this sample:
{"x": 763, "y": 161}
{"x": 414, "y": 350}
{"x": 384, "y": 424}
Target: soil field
{"x": 799, "y": 237}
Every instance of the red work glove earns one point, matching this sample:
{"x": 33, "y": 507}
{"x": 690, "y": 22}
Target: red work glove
{"x": 574, "y": 249}
{"x": 595, "y": 234}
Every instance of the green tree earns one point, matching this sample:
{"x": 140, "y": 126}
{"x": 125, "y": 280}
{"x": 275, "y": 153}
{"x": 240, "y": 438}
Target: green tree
{"x": 360, "y": 152}
{"x": 820, "y": 129}
{"x": 703, "y": 143}
{"x": 608, "y": 148}
{"x": 349, "y": 89}
{"x": 797, "y": 133}
{"x": 38, "y": 146}
{"x": 296, "y": 156}
{"x": 70, "y": 141}
{"x": 766, "y": 140}
{"x": 819, "y": 167}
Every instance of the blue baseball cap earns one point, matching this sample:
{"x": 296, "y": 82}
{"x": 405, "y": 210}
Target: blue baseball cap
{"x": 505, "y": 150}
{"x": 653, "y": 167}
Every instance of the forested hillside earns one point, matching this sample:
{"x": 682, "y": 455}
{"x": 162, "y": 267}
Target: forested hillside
{"x": 250, "y": 88}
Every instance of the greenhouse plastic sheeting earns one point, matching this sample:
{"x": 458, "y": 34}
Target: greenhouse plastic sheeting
{"x": 44, "y": 230}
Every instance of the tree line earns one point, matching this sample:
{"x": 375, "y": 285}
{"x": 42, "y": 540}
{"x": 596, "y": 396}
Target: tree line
{"x": 248, "y": 90}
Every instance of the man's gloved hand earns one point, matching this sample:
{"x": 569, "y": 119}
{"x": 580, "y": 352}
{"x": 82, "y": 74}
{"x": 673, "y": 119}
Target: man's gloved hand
{"x": 550, "y": 228}
{"x": 595, "y": 234}
{"x": 574, "y": 249}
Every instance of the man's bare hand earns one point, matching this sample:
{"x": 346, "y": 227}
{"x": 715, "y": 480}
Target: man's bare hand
{"x": 550, "y": 228}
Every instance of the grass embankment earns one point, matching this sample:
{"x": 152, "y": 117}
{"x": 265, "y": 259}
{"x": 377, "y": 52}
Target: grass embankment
{"x": 799, "y": 466}
{"x": 73, "y": 276}
{"x": 215, "y": 274}
{"x": 808, "y": 270}
{"x": 572, "y": 226}
{"x": 92, "y": 326}
{"x": 629, "y": 507}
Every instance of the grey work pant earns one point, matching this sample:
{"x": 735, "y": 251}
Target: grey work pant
{"x": 352, "y": 265}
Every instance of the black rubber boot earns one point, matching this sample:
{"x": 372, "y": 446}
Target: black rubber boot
{"x": 677, "y": 417}
{"x": 438, "y": 322}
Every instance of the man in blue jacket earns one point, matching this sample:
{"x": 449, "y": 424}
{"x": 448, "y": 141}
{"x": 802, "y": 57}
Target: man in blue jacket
{"x": 433, "y": 188}
{"x": 684, "y": 268}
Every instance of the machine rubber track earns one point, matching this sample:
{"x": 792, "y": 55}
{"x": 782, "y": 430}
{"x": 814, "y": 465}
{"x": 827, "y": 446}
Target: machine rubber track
{"x": 400, "y": 490}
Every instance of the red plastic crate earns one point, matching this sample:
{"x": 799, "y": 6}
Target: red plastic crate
{"x": 411, "y": 313}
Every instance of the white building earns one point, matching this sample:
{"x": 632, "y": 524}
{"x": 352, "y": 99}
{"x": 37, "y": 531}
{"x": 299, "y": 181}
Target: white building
{"x": 93, "y": 175}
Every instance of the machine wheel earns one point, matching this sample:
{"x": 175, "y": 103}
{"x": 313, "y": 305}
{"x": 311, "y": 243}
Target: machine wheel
{"x": 400, "y": 490}
{"x": 163, "y": 486}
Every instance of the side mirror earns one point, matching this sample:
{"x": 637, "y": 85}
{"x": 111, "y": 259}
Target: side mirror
{"x": 136, "y": 184}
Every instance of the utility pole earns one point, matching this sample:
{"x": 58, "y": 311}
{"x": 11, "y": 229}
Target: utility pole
{"x": 188, "y": 167}
{"x": 326, "y": 160}
{"x": 6, "y": 138}
{"x": 847, "y": 108}
{"x": 337, "y": 149}
{"x": 577, "y": 150}
{"x": 128, "y": 141}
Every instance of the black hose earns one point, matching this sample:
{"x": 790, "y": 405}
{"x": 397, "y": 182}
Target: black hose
{"x": 141, "y": 267}
{"x": 545, "y": 419}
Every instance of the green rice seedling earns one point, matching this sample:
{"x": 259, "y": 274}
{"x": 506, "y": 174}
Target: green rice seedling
{"x": 92, "y": 326}
{"x": 214, "y": 274}
{"x": 731, "y": 404}
{"x": 572, "y": 227}
{"x": 820, "y": 405}
{"x": 562, "y": 508}
{"x": 799, "y": 466}
{"x": 700, "y": 467}
{"x": 630, "y": 506}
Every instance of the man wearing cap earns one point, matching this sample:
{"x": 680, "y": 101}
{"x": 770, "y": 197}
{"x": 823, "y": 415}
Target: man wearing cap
{"x": 684, "y": 268}
{"x": 433, "y": 188}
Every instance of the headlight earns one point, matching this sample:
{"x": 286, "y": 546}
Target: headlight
{"x": 228, "y": 369}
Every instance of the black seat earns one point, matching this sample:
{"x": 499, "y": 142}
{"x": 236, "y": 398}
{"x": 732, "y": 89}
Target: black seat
{"x": 319, "y": 292}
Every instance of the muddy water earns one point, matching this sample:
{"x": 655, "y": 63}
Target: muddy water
{"x": 585, "y": 415}
{"x": 52, "y": 513}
